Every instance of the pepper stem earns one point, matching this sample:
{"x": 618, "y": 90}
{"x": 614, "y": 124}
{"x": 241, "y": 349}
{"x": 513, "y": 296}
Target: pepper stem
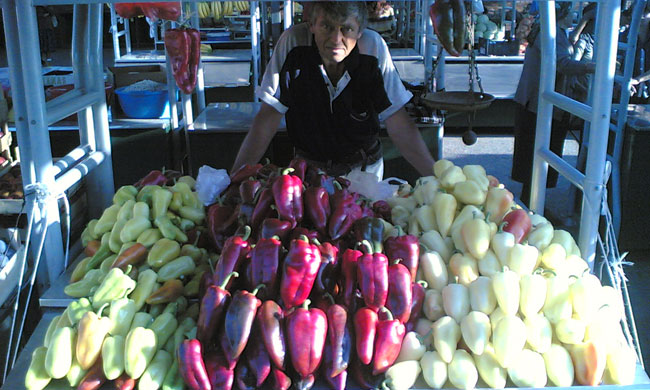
{"x": 231, "y": 275}
{"x": 365, "y": 244}
{"x": 388, "y": 313}
{"x": 304, "y": 238}
{"x": 315, "y": 241}
{"x": 306, "y": 303}
{"x": 400, "y": 231}
{"x": 246, "y": 233}
{"x": 384, "y": 384}
{"x": 258, "y": 288}
{"x": 101, "y": 309}
{"x": 423, "y": 283}
{"x": 501, "y": 226}
{"x": 337, "y": 185}
{"x": 329, "y": 297}
{"x": 287, "y": 171}
{"x": 397, "y": 261}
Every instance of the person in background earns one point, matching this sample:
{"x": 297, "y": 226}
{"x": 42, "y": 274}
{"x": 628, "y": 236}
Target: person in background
{"x": 526, "y": 98}
{"x": 334, "y": 81}
{"x": 47, "y": 22}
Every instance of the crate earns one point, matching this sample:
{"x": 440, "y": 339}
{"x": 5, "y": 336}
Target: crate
{"x": 488, "y": 47}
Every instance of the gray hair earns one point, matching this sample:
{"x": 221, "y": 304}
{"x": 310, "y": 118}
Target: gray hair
{"x": 341, "y": 10}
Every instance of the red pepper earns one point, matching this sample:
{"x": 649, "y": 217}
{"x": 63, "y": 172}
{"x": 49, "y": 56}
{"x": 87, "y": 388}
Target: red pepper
{"x": 287, "y": 192}
{"x": 345, "y": 211}
{"x": 327, "y": 271}
{"x": 221, "y": 222}
{"x": 205, "y": 283}
{"x": 322, "y": 180}
{"x": 339, "y": 339}
{"x": 263, "y": 208}
{"x": 244, "y": 213}
{"x": 264, "y": 263}
{"x": 372, "y": 276}
{"x": 268, "y": 172}
{"x": 363, "y": 375}
{"x": 275, "y": 227}
{"x": 400, "y": 294}
{"x": 183, "y": 46}
{"x": 244, "y": 172}
{"x": 448, "y": 19}
{"x": 244, "y": 377}
{"x": 418, "y": 291}
{"x": 235, "y": 250}
{"x": 278, "y": 380}
{"x": 305, "y": 383}
{"x": 124, "y": 382}
{"x": 248, "y": 189}
{"x": 220, "y": 374}
{"x": 299, "y": 166}
{"x": 317, "y": 207}
{"x": 269, "y": 320}
{"x": 213, "y": 304}
{"x": 300, "y": 270}
{"x": 365, "y": 330}
{"x": 338, "y": 382}
{"x": 191, "y": 366}
{"x": 128, "y": 10}
{"x": 518, "y": 223}
{"x": 303, "y": 231}
{"x": 238, "y": 323}
{"x": 349, "y": 266}
{"x": 257, "y": 358}
{"x": 154, "y": 177}
{"x": 404, "y": 247}
{"x": 382, "y": 210}
{"x": 306, "y": 331}
{"x": 94, "y": 378}
{"x": 162, "y": 10}
{"x": 131, "y": 256}
{"x": 390, "y": 333}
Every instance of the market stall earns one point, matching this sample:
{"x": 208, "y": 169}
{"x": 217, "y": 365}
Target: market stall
{"x": 273, "y": 276}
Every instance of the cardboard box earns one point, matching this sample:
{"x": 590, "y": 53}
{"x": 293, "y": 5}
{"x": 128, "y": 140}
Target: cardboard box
{"x": 122, "y": 76}
{"x": 58, "y": 76}
{"x": 488, "y": 47}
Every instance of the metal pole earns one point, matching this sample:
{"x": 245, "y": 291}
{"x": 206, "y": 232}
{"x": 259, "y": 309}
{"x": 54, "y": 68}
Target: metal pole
{"x": 171, "y": 88}
{"x": 200, "y": 80}
{"x": 115, "y": 34}
{"x": 255, "y": 42}
{"x": 287, "y": 14}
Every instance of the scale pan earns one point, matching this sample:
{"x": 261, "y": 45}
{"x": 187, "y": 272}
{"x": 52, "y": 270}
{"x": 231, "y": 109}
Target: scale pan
{"x": 457, "y": 100}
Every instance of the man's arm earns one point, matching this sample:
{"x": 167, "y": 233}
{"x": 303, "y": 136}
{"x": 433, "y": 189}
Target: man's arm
{"x": 264, "y": 127}
{"x": 406, "y": 136}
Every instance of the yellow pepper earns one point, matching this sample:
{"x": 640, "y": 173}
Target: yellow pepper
{"x": 160, "y": 200}
{"x": 462, "y": 370}
{"x": 133, "y": 228}
{"x": 425, "y": 217}
{"x": 113, "y": 356}
{"x": 481, "y": 295}
{"x": 144, "y": 287}
{"x": 455, "y": 300}
{"x": 413, "y": 347}
{"x": 489, "y": 369}
{"x": 522, "y": 259}
{"x": 501, "y": 243}
{"x": 425, "y": 190}
{"x": 114, "y": 242}
{"x": 558, "y": 299}
{"x": 139, "y": 350}
{"x": 76, "y": 373}
{"x": 446, "y": 335}
{"x": 476, "y": 331}
{"x": 423, "y": 328}
{"x": 505, "y": 285}
{"x": 50, "y": 330}
{"x": 621, "y": 365}
{"x": 414, "y": 228}
{"x": 37, "y": 377}
{"x": 149, "y": 237}
{"x": 440, "y": 166}
{"x": 121, "y": 314}
{"x": 124, "y": 194}
{"x": 498, "y": 203}
{"x": 570, "y": 330}
{"x": 468, "y": 212}
{"x": 528, "y": 370}
{"x": 540, "y": 235}
{"x": 126, "y": 210}
{"x": 539, "y": 333}
{"x": 575, "y": 265}
{"x": 451, "y": 176}
{"x": 509, "y": 339}
{"x": 60, "y": 351}
{"x": 400, "y": 216}
{"x": 433, "y": 241}
{"x": 469, "y": 192}
{"x": 409, "y": 203}
{"x": 402, "y": 375}
{"x": 589, "y": 361}
{"x": 164, "y": 326}
{"x": 444, "y": 208}
{"x": 93, "y": 328}
{"x": 434, "y": 270}
{"x": 496, "y": 316}
{"x": 434, "y": 369}
{"x": 565, "y": 239}
{"x": 559, "y": 367}
{"x": 477, "y": 174}
{"x": 154, "y": 375}
{"x": 553, "y": 257}
{"x": 532, "y": 294}
{"x": 489, "y": 265}
{"x": 463, "y": 267}
{"x": 107, "y": 220}
{"x": 432, "y": 306}
{"x": 476, "y": 236}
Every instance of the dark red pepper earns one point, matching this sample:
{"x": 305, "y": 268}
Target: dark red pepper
{"x": 277, "y": 380}
{"x": 303, "y": 231}
{"x": 232, "y": 256}
{"x": 382, "y": 210}
{"x": 300, "y": 270}
{"x": 263, "y": 208}
{"x": 306, "y": 333}
{"x": 94, "y": 378}
{"x": 299, "y": 166}
{"x": 244, "y": 172}
{"x": 365, "y": 331}
{"x": 287, "y": 192}
{"x": 128, "y": 10}
{"x": 345, "y": 211}
{"x": 264, "y": 263}
{"x": 124, "y": 382}
{"x": 305, "y": 383}
{"x": 372, "y": 276}
{"x": 269, "y": 320}
{"x": 400, "y": 293}
{"x": 317, "y": 207}
{"x": 418, "y": 291}
{"x": 220, "y": 374}
{"x": 372, "y": 230}
{"x": 244, "y": 377}
{"x": 448, "y": 19}
{"x": 257, "y": 358}
{"x": 362, "y": 374}
{"x": 238, "y": 323}
{"x": 221, "y": 222}
{"x": 339, "y": 339}
{"x": 275, "y": 227}
{"x": 183, "y": 46}
{"x": 162, "y": 10}
{"x": 349, "y": 266}
{"x": 404, "y": 247}
{"x": 248, "y": 189}
{"x": 327, "y": 271}
{"x": 213, "y": 304}
{"x": 153, "y": 178}
{"x": 518, "y": 223}
{"x": 191, "y": 365}
{"x": 338, "y": 382}
{"x": 390, "y": 334}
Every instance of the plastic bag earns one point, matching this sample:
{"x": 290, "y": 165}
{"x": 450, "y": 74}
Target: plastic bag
{"x": 210, "y": 183}
{"x": 367, "y": 184}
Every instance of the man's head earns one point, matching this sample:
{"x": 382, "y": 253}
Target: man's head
{"x": 336, "y": 27}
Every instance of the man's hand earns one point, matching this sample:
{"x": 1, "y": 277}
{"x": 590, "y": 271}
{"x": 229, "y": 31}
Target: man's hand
{"x": 406, "y": 136}
{"x": 264, "y": 127}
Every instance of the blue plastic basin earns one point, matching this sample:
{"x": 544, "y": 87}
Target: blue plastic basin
{"x": 143, "y": 104}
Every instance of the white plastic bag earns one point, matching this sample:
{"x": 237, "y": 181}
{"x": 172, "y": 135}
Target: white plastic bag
{"x": 366, "y": 184}
{"x": 210, "y": 183}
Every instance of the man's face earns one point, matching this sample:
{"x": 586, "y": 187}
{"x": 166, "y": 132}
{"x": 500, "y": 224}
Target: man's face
{"x": 335, "y": 39}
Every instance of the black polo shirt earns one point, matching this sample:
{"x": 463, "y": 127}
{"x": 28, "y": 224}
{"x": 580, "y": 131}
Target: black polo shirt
{"x": 326, "y": 121}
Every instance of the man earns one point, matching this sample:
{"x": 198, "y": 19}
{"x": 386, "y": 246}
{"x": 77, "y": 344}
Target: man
{"x": 335, "y": 81}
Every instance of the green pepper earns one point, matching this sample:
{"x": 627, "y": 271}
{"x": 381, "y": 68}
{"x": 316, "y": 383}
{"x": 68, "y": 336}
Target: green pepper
{"x": 121, "y": 314}
{"x": 164, "y": 223}
{"x": 177, "y": 202}
{"x": 139, "y": 350}
{"x": 114, "y": 286}
{"x": 102, "y": 253}
{"x": 88, "y": 233}
{"x": 105, "y": 238}
{"x": 141, "y": 209}
{"x": 65, "y": 319}
{"x": 124, "y": 194}
{"x": 126, "y": 211}
{"x": 144, "y": 287}
{"x": 58, "y": 358}
{"x": 85, "y": 286}
{"x": 191, "y": 288}
{"x": 162, "y": 252}
{"x": 176, "y": 268}
{"x": 146, "y": 193}
{"x": 107, "y": 263}
{"x": 79, "y": 270}
{"x": 186, "y": 224}
{"x": 107, "y": 220}
{"x": 157, "y": 309}
{"x": 160, "y": 201}
{"x": 50, "y": 330}
{"x": 164, "y": 326}
{"x": 187, "y": 179}
{"x": 173, "y": 379}
{"x": 133, "y": 228}
{"x": 37, "y": 378}
{"x": 149, "y": 237}
{"x": 76, "y": 373}
{"x": 191, "y": 251}
{"x": 154, "y": 376}
{"x": 114, "y": 243}
{"x": 141, "y": 319}
{"x": 196, "y": 215}
{"x": 372, "y": 230}
{"x": 113, "y": 356}
{"x": 77, "y": 309}
{"x": 179, "y": 334}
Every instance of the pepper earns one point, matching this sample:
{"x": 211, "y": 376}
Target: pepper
{"x": 317, "y": 207}
{"x": 349, "y": 264}
{"x": 287, "y": 193}
{"x": 505, "y": 285}
{"x": 400, "y": 295}
{"x": 381, "y": 209}
{"x": 94, "y": 378}
{"x": 139, "y": 349}
{"x": 113, "y": 356}
{"x": 518, "y": 223}
{"x": 36, "y": 377}
{"x": 388, "y": 342}
{"x": 235, "y": 250}
{"x": 404, "y": 247}
{"x": 164, "y": 327}
{"x": 183, "y": 48}
{"x": 238, "y": 322}
{"x": 114, "y": 242}
{"x": 144, "y": 287}
{"x": 115, "y": 285}
{"x": 338, "y": 382}
{"x": 372, "y": 230}
{"x": 248, "y": 189}
{"x": 264, "y": 263}
{"x": 299, "y": 166}
{"x": 263, "y": 208}
{"x": 269, "y": 319}
{"x": 557, "y": 305}
{"x": 85, "y": 286}
{"x": 107, "y": 220}
{"x": 168, "y": 292}
{"x": 328, "y": 270}
{"x": 154, "y": 376}
{"x": 275, "y": 227}
{"x": 417, "y": 301}
{"x": 149, "y": 237}
{"x": 93, "y": 328}
{"x": 345, "y": 212}
{"x": 177, "y": 268}
{"x": 541, "y": 235}
{"x": 88, "y": 234}
{"x": 413, "y": 347}
{"x": 338, "y": 344}
{"x": 168, "y": 229}
{"x": 446, "y": 335}
{"x": 173, "y": 379}
{"x": 79, "y": 270}
{"x": 278, "y": 380}
{"x": 244, "y": 172}
{"x": 372, "y": 276}
{"x": 363, "y": 375}
{"x": 256, "y": 358}
{"x": 91, "y": 247}
{"x": 402, "y": 375}
{"x": 60, "y": 351}
{"x": 475, "y": 234}
{"x": 300, "y": 269}
{"x": 434, "y": 370}
{"x": 191, "y": 365}
{"x": 214, "y": 302}
{"x": 307, "y": 330}
{"x": 162, "y": 252}
{"x": 497, "y": 203}
{"x": 509, "y": 338}
{"x": 77, "y": 309}
{"x": 365, "y": 330}
{"x": 102, "y": 253}
{"x": 133, "y": 256}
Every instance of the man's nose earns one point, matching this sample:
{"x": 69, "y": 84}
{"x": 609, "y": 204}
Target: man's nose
{"x": 337, "y": 35}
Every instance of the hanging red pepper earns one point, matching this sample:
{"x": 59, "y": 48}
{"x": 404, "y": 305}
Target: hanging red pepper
{"x": 418, "y": 291}
{"x": 372, "y": 276}
{"x": 287, "y": 192}
{"x": 518, "y": 223}
{"x": 128, "y": 10}
{"x": 162, "y": 10}
{"x": 244, "y": 172}
{"x": 275, "y": 227}
{"x": 317, "y": 207}
{"x": 248, "y": 189}
{"x": 349, "y": 267}
{"x": 338, "y": 382}
{"x": 400, "y": 294}
{"x": 183, "y": 46}
{"x": 221, "y": 375}
{"x": 299, "y": 166}
{"x": 448, "y": 19}
{"x": 365, "y": 331}
{"x": 264, "y": 263}
{"x": 238, "y": 323}
{"x": 345, "y": 211}
{"x": 191, "y": 365}
{"x": 306, "y": 333}
{"x": 232, "y": 256}
{"x": 213, "y": 304}
{"x": 405, "y": 247}
{"x": 390, "y": 334}
{"x": 269, "y": 320}
{"x": 300, "y": 270}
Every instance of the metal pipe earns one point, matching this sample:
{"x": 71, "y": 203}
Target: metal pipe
{"x": 69, "y": 160}
{"x": 171, "y": 88}
{"x": 200, "y": 80}
{"x": 287, "y": 14}
{"x": 80, "y": 170}
{"x": 567, "y": 104}
{"x": 188, "y": 119}
{"x": 255, "y": 43}
{"x": 564, "y": 168}
{"x": 57, "y": 110}
{"x": 115, "y": 33}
